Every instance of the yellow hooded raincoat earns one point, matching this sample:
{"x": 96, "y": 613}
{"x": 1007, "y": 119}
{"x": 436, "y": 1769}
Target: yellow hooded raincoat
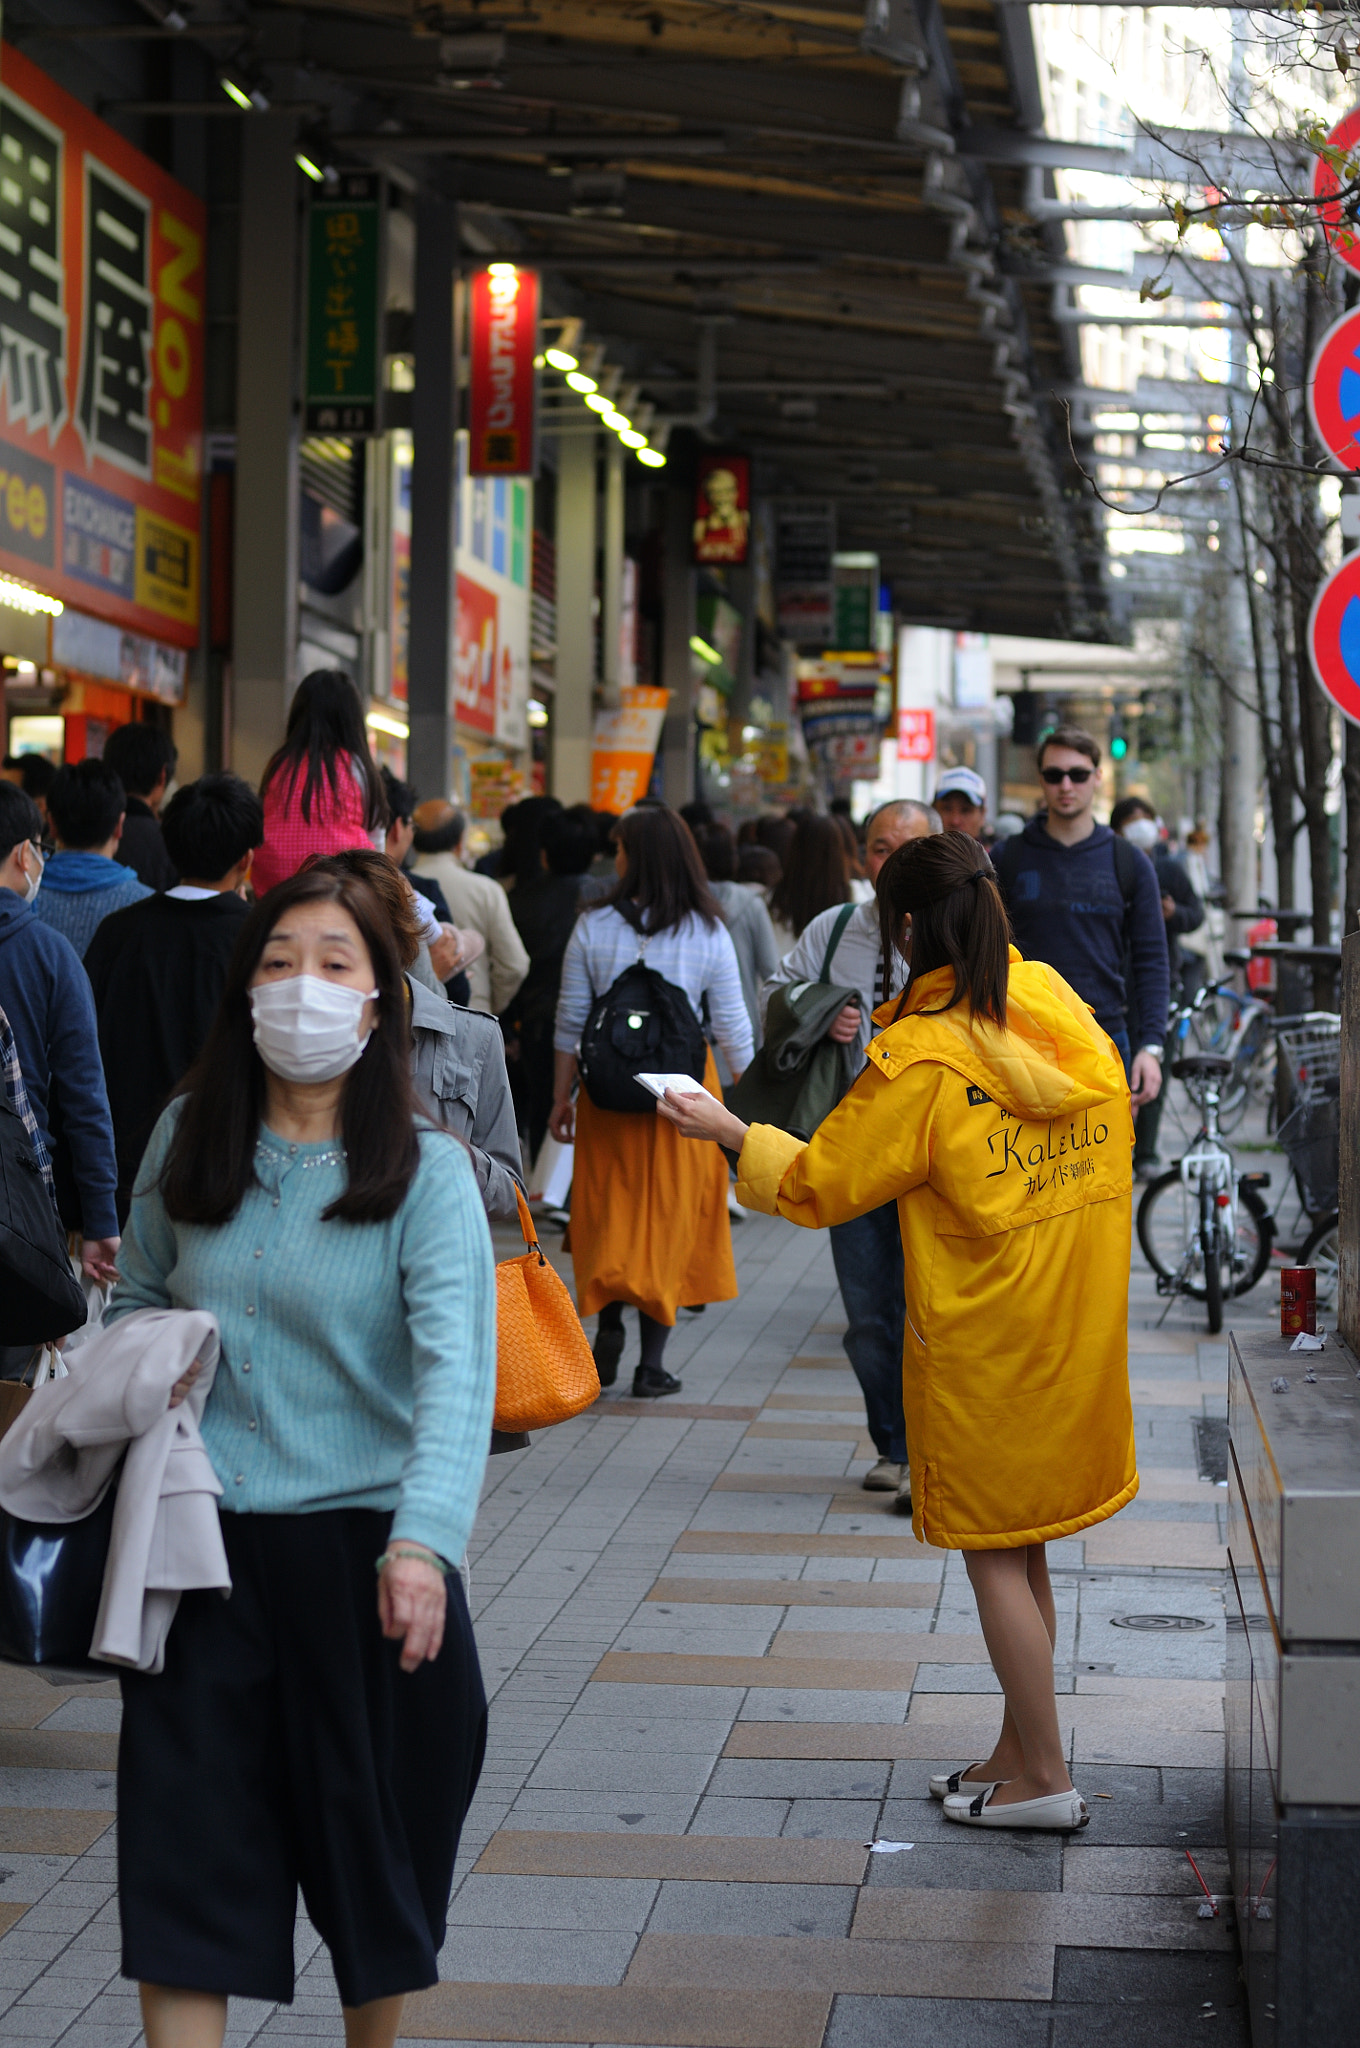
{"x": 1009, "y": 1155}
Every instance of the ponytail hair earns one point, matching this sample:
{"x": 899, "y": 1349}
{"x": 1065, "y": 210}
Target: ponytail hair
{"x": 947, "y": 885}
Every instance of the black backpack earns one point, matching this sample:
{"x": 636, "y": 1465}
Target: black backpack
{"x": 642, "y": 1024}
{"x": 40, "y": 1297}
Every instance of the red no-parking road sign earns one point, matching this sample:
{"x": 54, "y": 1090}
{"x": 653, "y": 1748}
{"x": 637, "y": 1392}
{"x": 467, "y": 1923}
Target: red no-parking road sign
{"x": 1334, "y": 390}
{"x": 1340, "y": 232}
{"x": 1334, "y": 637}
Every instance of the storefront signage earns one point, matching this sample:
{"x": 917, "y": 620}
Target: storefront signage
{"x": 843, "y": 674}
{"x": 805, "y": 541}
{"x": 1327, "y": 183}
{"x": 722, "y": 509}
{"x": 916, "y": 735}
{"x": 1334, "y": 390}
{"x": 344, "y": 307}
{"x": 855, "y": 613}
{"x": 624, "y": 748}
{"x": 493, "y": 560}
{"x": 95, "y": 648}
{"x": 502, "y": 381}
{"x": 101, "y": 365}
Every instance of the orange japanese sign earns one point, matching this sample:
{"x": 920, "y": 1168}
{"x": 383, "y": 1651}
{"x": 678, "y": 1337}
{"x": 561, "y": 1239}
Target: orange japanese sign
{"x": 625, "y": 744}
{"x": 101, "y": 365}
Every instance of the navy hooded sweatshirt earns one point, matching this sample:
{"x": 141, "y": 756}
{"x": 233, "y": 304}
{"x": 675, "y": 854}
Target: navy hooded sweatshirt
{"x": 45, "y": 993}
{"x": 1067, "y": 909}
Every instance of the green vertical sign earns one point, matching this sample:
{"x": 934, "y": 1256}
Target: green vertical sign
{"x": 344, "y": 308}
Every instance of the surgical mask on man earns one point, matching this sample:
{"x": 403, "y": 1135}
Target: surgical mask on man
{"x": 1143, "y": 833}
{"x": 33, "y": 882}
{"x": 307, "y": 1029}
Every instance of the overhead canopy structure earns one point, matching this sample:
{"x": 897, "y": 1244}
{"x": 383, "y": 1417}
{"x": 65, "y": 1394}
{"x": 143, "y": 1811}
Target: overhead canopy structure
{"x": 798, "y": 227}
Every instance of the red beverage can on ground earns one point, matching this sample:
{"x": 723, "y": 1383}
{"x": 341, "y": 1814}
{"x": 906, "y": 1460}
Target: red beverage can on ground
{"x": 1298, "y": 1301}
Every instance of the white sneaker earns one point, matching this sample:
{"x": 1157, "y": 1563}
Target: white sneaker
{"x": 884, "y": 1477}
{"x": 902, "y": 1505}
{"x": 1059, "y": 1812}
{"x": 943, "y": 1783}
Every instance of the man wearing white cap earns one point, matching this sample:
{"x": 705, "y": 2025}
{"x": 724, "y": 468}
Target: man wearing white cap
{"x": 961, "y": 800}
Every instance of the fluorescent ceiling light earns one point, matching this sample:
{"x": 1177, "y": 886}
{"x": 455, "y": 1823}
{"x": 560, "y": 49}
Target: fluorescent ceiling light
{"x": 704, "y": 651}
{"x": 559, "y": 359}
{"x": 653, "y": 458}
{"x": 311, "y": 170}
{"x": 617, "y": 420}
{"x": 579, "y": 381}
{"x": 382, "y": 721}
{"x": 631, "y": 438}
{"x": 597, "y": 402}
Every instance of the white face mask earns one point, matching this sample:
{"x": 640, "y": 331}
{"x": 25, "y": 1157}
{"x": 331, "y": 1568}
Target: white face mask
{"x": 33, "y": 882}
{"x": 307, "y": 1029}
{"x": 1143, "y": 832}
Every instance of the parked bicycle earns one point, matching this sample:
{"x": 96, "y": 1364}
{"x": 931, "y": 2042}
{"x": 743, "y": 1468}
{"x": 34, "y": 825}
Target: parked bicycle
{"x": 1203, "y": 1227}
{"x": 1310, "y": 1136}
{"x": 1221, "y": 1020}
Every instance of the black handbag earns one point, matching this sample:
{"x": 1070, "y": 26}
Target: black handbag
{"x": 51, "y": 1583}
{"x": 40, "y": 1297}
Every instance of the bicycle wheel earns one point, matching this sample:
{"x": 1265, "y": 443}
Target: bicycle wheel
{"x": 1322, "y": 1250}
{"x": 1214, "y": 1249}
{"x": 1169, "y": 1233}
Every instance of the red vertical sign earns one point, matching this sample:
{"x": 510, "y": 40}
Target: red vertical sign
{"x": 916, "y": 735}
{"x": 502, "y": 411}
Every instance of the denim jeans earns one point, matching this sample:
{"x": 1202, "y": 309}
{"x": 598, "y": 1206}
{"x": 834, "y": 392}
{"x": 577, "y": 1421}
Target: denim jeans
{"x": 868, "y": 1257}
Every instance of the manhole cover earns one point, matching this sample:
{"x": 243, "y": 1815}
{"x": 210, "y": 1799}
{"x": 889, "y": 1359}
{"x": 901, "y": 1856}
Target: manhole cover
{"x": 1164, "y": 1624}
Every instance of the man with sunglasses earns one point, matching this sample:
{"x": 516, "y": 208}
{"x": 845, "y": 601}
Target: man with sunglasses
{"x": 1088, "y": 903}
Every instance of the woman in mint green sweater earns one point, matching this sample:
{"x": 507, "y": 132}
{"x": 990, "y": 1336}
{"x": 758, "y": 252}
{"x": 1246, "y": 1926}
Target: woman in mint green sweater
{"x": 324, "y": 1726}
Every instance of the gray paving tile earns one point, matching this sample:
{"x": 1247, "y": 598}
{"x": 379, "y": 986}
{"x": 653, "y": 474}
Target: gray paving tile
{"x": 26, "y": 1878}
{"x": 725, "y": 1909}
{"x": 585, "y": 1903}
{"x": 622, "y": 1772}
{"x": 99, "y": 1715}
{"x": 961, "y": 1859}
{"x": 739, "y": 1816}
{"x": 782, "y": 1778}
{"x": 956, "y": 1678}
{"x": 936, "y": 2023}
{"x": 92, "y": 1791}
{"x": 800, "y": 1703}
{"x": 1102, "y": 1976}
{"x": 608, "y": 1734}
{"x": 514, "y": 1955}
{"x": 684, "y": 1702}
{"x": 839, "y": 1820}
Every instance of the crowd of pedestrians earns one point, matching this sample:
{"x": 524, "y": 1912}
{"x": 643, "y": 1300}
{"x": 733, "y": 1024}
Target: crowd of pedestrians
{"x": 288, "y": 1053}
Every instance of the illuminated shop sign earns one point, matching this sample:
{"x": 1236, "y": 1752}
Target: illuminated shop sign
{"x": 502, "y": 381}
{"x": 344, "y": 308}
{"x": 101, "y": 364}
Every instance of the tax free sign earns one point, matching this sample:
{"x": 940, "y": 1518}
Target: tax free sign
{"x": 101, "y": 365}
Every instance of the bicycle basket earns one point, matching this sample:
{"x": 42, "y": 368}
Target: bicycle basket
{"x": 1311, "y": 1139}
{"x": 1311, "y": 1049}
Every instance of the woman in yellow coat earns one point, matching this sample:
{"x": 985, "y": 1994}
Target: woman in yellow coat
{"x": 995, "y": 1110}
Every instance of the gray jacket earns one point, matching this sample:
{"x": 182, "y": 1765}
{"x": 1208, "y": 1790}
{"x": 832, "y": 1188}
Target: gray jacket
{"x": 858, "y": 964}
{"x": 460, "y": 1077}
{"x": 753, "y": 942}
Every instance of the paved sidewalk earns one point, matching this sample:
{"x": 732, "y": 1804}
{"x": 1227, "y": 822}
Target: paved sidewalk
{"x": 718, "y": 1669}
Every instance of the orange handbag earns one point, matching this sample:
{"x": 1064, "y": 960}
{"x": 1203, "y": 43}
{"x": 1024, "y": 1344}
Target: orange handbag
{"x": 544, "y": 1369}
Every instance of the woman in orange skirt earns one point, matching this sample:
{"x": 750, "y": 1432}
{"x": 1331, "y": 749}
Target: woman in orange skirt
{"x": 649, "y": 1223}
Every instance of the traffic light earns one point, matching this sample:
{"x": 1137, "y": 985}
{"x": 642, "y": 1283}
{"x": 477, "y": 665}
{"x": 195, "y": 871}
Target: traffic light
{"x": 1119, "y": 738}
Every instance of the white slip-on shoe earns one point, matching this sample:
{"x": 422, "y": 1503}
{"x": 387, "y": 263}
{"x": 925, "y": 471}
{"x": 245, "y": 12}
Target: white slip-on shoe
{"x": 1059, "y": 1812}
{"x": 945, "y": 1782}
{"x": 883, "y": 1477}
